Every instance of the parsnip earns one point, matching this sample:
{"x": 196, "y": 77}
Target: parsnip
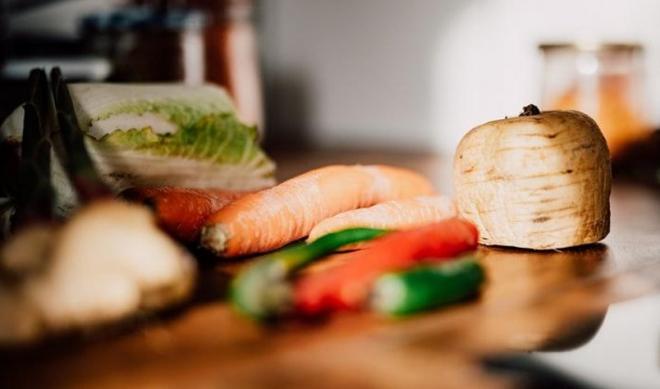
{"x": 539, "y": 181}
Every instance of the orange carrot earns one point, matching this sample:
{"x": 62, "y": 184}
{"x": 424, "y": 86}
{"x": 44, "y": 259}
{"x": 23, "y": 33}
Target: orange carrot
{"x": 347, "y": 285}
{"x": 182, "y": 211}
{"x": 391, "y": 215}
{"x": 273, "y": 217}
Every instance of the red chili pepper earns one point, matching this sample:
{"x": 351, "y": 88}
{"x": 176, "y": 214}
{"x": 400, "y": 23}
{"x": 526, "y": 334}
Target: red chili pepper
{"x": 346, "y": 286}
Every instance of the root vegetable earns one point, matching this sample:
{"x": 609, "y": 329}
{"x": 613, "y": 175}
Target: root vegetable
{"x": 271, "y": 218}
{"x": 538, "y": 181}
{"x": 390, "y": 215}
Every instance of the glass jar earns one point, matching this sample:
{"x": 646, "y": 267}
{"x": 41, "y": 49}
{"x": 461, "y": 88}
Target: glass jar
{"x": 604, "y": 81}
{"x": 147, "y": 44}
{"x": 191, "y": 41}
{"x": 232, "y": 58}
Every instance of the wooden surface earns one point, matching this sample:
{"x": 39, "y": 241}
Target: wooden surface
{"x": 532, "y": 301}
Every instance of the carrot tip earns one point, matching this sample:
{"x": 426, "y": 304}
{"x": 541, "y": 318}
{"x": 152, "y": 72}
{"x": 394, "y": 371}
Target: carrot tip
{"x": 214, "y": 238}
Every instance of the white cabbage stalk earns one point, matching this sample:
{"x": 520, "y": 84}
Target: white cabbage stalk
{"x": 161, "y": 134}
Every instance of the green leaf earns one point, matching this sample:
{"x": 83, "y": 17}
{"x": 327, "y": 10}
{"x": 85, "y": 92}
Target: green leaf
{"x": 219, "y": 138}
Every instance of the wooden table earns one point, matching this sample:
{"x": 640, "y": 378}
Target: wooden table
{"x": 532, "y": 301}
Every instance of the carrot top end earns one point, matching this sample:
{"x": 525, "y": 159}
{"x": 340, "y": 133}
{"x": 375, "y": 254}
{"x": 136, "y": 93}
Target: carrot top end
{"x": 214, "y": 237}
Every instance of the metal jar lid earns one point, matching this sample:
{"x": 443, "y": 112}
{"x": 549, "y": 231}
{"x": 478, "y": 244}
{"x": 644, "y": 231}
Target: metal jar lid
{"x": 591, "y": 46}
{"x": 134, "y": 18}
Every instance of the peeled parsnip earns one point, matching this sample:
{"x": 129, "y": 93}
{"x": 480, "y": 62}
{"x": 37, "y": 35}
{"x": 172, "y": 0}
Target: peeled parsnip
{"x": 398, "y": 214}
{"x": 538, "y": 181}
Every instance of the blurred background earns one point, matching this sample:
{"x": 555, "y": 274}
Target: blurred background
{"x": 384, "y": 74}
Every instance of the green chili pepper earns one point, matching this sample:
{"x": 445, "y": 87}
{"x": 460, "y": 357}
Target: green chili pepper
{"x": 261, "y": 290}
{"x": 427, "y": 287}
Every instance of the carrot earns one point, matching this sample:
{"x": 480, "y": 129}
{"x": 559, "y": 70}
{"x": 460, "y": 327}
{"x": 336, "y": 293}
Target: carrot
{"x": 273, "y": 217}
{"x": 181, "y": 212}
{"x": 391, "y": 215}
{"x": 347, "y": 285}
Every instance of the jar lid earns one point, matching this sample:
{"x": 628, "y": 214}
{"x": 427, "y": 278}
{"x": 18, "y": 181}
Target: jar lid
{"x": 138, "y": 18}
{"x": 591, "y": 46}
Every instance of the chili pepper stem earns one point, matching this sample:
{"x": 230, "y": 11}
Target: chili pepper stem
{"x": 389, "y": 292}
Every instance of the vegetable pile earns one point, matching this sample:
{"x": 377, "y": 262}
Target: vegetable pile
{"x": 198, "y": 174}
{"x": 274, "y": 217}
{"x": 111, "y": 259}
{"x": 347, "y": 286}
{"x": 268, "y": 287}
{"x": 107, "y": 263}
